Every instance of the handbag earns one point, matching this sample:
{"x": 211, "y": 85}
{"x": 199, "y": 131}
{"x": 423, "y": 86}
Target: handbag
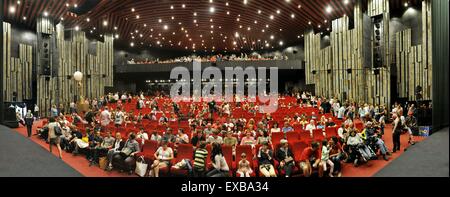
{"x": 58, "y": 131}
{"x": 141, "y": 167}
{"x": 102, "y": 162}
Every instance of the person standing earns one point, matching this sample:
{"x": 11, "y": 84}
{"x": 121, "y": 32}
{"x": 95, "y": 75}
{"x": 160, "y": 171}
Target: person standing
{"x": 396, "y": 131}
{"x": 53, "y": 138}
{"x": 36, "y": 111}
{"x": 29, "y": 122}
{"x": 105, "y": 118}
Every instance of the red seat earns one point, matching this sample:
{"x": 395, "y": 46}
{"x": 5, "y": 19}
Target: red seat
{"x": 318, "y": 135}
{"x": 148, "y": 150}
{"x": 305, "y": 136}
{"x": 228, "y": 154}
{"x": 331, "y": 131}
{"x": 276, "y": 137}
{"x": 184, "y": 151}
{"x": 292, "y": 136}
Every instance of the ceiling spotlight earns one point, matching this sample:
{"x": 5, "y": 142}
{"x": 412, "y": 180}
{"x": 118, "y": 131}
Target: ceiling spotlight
{"x": 137, "y": 16}
{"x": 159, "y": 20}
{"x": 45, "y": 13}
{"x": 172, "y": 17}
{"x": 105, "y": 23}
{"x": 259, "y": 11}
{"x": 75, "y": 5}
{"x": 171, "y": 7}
{"x": 115, "y": 28}
{"x": 278, "y": 11}
{"x": 292, "y": 16}
{"x": 309, "y": 23}
{"x": 345, "y": 2}
{"x": 271, "y": 17}
{"x": 117, "y": 36}
{"x": 24, "y": 18}
{"x": 132, "y": 44}
{"x": 132, "y": 10}
{"x": 88, "y": 19}
{"x": 245, "y": 2}
{"x": 183, "y": 6}
{"x": 272, "y": 37}
{"x": 329, "y": 9}
{"x": 406, "y": 4}
{"x": 77, "y": 28}
{"x": 281, "y": 43}
{"x": 166, "y": 27}
{"x": 212, "y": 9}
{"x": 12, "y": 9}
{"x": 227, "y": 4}
{"x": 228, "y": 12}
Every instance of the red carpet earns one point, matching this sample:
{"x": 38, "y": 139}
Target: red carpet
{"x": 81, "y": 164}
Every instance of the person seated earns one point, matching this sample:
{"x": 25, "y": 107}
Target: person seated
{"x": 310, "y": 159}
{"x": 219, "y": 163}
{"x": 265, "y": 160}
{"x": 93, "y": 145}
{"x": 126, "y": 155}
{"x": 115, "y": 149}
{"x": 248, "y": 139}
{"x": 181, "y": 137}
{"x": 230, "y": 140}
{"x": 358, "y": 151}
{"x": 244, "y": 169}
{"x": 371, "y": 138}
{"x": 104, "y": 147}
{"x": 275, "y": 128}
{"x": 200, "y": 155}
{"x": 285, "y": 157}
{"x": 336, "y": 155}
{"x": 168, "y": 136}
{"x": 287, "y": 128}
{"x": 83, "y": 143}
{"x": 214, "y": 139}
{"x": 155, "y": 137}
{"x": 263, "y": 137}
{"x": 164, "y": 156}
{"x": 310, "y": 127}
{"x": 197, "y": 138}
{"x": 141, "y": 135}
{"x": 208, "y": 130}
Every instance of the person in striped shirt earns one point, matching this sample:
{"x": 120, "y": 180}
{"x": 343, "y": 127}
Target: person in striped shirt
{"x": 200, "y": 156}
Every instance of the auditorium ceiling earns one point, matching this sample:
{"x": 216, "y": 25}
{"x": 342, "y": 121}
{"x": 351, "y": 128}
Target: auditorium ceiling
{"x": 211, "y": 25}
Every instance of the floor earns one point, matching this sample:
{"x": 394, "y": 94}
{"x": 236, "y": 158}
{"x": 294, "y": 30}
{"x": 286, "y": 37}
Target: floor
{"x": 427, "y": 159}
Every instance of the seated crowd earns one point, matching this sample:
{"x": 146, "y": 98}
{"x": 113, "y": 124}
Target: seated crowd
{"x": 308, "y": 135}
{"x": 213, "y": 58}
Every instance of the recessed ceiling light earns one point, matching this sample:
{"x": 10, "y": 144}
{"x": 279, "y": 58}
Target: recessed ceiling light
{"x": 132, "y": 10}
{"x": 329, "y": 9}
{"x": 75, "y": 5}
{"x": 245, "y": 2}
{"x": 228, "y": 12}
{"x": 24, "y": 18}
{"x": 292, "y": 16}
{"x": 77, "y": 28}
{"x": 281, "y": 43}
{"x": 45, "y": 13}
{"x": 105, "y": 23}
{"x": 212, "y": 9}
{"x": 227, "y": 4}
{"x": 271, "y": 17}
{"x": 183, "y": 6}
{"x": 12, "y": 9}
{"x": 115, "y": 28}
{"x": 278, "y": 11}
{"x": 159, "y": 20}
{"x": 406, "y": 4}
{"x": 137, "y": 16}
{"x": 345, "y": 2}
{"x": 259, "y": 11}
{"x": 272, "y": 37}
{"x": 171, "y": 7}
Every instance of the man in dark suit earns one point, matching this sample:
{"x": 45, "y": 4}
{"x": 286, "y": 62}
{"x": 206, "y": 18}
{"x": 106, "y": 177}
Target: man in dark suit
{"x": 29, "y": 119}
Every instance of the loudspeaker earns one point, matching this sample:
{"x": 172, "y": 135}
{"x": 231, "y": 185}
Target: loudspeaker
{"x": 10, "y": 118}
{"x": 376, "y": 72}
{"x": 314, "y": 72}
{"x": 349, "y": 71}
{"x": 294, "y": 51}
{"x": 329, "y": 71}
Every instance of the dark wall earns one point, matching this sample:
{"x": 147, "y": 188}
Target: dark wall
{"x": 410, "y": 18}
{"x": 21, "y": 36}
{"x": 440, "y": 22}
